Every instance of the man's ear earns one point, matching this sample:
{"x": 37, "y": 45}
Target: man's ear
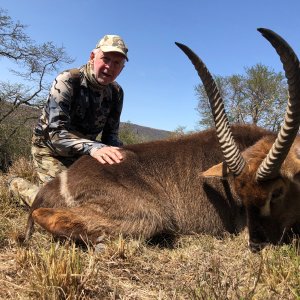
{"x": 219, "y": 171}
{"x": 92, "y": 56}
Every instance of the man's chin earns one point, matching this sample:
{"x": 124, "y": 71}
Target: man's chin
{"x": 104, "y": 81}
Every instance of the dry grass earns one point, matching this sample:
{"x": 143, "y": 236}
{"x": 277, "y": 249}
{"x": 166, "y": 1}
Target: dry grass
{"x": 23, "y": 168}
{"x": 199, "y": 267}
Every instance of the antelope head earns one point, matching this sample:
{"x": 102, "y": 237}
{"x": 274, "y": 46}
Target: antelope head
{"x": 266, "y": 176}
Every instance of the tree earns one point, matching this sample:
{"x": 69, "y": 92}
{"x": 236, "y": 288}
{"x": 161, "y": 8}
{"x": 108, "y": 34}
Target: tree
{"x": 180, "y": 131}
{"x": 128, "y": 135}
{"x": 31, "y": 63}
{"x": 258, "y": 97}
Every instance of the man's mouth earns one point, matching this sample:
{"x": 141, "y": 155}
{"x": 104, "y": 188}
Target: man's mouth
{"x": 106, "y": 75}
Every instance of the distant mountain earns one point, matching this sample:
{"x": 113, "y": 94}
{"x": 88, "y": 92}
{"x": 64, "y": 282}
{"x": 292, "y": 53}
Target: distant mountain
{"x": 146, "y": 133}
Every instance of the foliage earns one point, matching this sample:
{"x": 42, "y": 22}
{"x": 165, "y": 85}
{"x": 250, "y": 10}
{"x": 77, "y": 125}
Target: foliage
{"x": 16, "y": 133}
{"x": 128, "y": 136}
{"x": 31, "y": 61}
{"x": 180, "y": 131}
{"x": 14, "y": 144}
{"x": 31, "y": 64}
{"x": 258, "y": 97}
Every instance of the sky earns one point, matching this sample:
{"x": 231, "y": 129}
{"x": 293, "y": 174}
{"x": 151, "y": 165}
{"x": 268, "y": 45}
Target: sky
{"x": 159, "y": 82}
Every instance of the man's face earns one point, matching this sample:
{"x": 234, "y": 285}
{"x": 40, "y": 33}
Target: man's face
{"x": 107, "y": 66}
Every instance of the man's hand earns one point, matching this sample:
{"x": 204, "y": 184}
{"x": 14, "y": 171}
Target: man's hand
{"x": 107, "y": 154}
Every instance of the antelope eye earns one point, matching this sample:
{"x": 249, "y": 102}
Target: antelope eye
{"x": 276, "y": 194}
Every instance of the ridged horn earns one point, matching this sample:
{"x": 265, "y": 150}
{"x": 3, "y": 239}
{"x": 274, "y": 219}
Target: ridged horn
{"x": 270, "y": 166}
{"x": 234, "y": 160}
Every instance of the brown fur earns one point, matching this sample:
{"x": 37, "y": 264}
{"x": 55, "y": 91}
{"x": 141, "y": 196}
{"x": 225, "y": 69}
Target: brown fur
{"x": 159, "y": 190}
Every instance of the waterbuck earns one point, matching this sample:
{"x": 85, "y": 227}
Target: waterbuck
{"x": 188, "y": 184}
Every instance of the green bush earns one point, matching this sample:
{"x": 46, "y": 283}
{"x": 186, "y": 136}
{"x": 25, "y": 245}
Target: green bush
{"x": 128, "y": 136}
{"x": 15, "y": 142}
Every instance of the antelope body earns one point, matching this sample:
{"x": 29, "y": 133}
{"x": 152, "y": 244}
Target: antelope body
{"x": 188, "y": 184}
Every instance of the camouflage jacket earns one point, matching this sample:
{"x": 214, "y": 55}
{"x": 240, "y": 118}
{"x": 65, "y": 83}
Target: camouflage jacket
{"x": 76, "y": 113}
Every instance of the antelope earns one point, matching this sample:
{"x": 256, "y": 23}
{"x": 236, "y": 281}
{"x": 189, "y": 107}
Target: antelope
{"x": 215, "y": 181}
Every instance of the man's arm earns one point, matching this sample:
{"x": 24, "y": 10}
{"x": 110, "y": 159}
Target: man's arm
{"x": 63, "y": 139}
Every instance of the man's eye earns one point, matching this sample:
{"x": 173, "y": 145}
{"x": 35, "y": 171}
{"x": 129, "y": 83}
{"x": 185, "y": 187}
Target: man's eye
{"x": 105, "y": 59}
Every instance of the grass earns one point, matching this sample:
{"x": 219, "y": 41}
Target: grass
{"x": 199, "y": 267}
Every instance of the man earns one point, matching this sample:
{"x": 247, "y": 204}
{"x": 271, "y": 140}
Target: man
{"x": 82, "y": 104}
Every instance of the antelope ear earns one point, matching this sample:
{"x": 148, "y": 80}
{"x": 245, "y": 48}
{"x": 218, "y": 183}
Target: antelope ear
{"x": 219, "y": 171}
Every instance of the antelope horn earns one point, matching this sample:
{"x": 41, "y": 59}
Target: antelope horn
{"x": 231, "y": 153}
{"x": 270, "y": 166}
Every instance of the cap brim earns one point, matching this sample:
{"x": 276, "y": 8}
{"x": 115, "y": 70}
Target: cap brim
{"x": 113, "y": 49}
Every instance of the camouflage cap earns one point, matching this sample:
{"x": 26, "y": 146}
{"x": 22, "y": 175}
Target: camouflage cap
{"x": 113, "y": 43}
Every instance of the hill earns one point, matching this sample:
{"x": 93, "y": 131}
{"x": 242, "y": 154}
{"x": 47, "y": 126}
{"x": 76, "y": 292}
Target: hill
{"x": 146, "y": 133}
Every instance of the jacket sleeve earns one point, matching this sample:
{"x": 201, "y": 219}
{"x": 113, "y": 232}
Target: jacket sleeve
{"x": 62, "y": 139}
{"x": 110, "y": 133}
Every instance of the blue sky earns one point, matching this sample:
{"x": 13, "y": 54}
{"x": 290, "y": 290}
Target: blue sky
{"x": 158, "y": 80}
